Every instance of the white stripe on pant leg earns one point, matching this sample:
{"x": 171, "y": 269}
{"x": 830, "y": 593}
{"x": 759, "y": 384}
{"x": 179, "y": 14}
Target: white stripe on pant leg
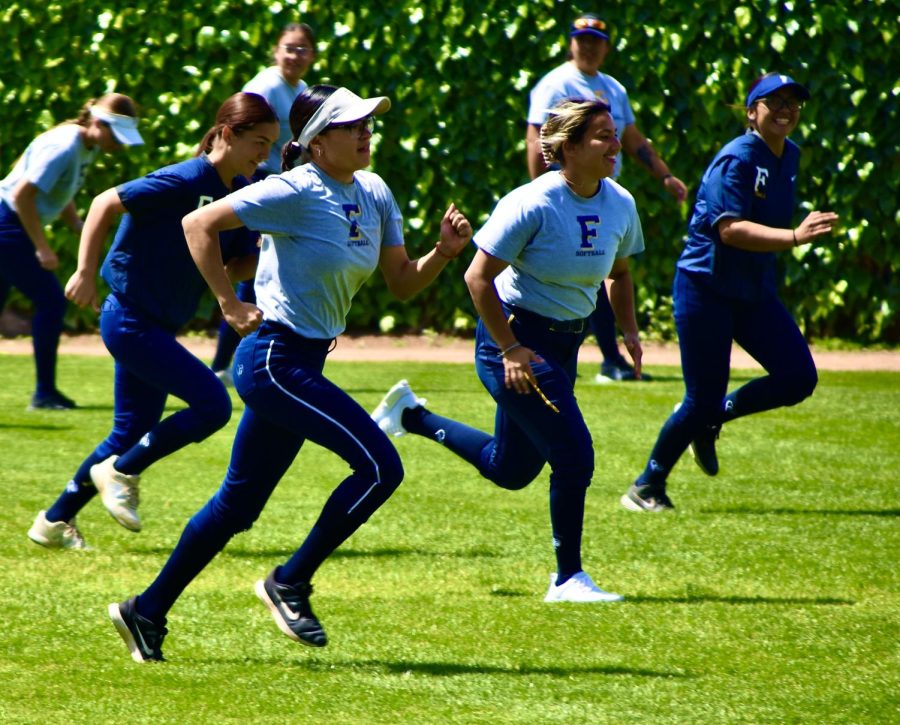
{"x": 332, "y": 420}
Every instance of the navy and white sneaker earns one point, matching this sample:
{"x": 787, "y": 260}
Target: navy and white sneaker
{"x": 703, "y": 450}
{"x": 291, "y": 611}
{"x": 51, "y": 401}
{"x": 645, "y": 498}
{"x": 143, "y": 637}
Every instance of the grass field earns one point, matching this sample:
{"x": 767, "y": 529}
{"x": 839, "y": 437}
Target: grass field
{"x": 770, "y": 596}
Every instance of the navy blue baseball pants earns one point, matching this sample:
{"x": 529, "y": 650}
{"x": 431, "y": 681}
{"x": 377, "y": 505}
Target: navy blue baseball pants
{"x": 288, "y": 401}
{"x": 150, "y": 365}
{"x": 707, "y": 324}
{"x": 20, "y": 268}
{"x": 527, "y": 432}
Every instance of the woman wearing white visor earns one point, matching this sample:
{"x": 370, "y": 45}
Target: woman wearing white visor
{"x": 40, "y": 188}
{"x": 325, "y": 225}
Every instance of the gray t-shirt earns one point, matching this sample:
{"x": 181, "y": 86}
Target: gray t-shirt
{"x": 280, "y": 95}
{"x": 55, "y": 163}
{"x": 566, "y": 81}
{"x": 559, "y": 246}
{"x": 321, "y": 239}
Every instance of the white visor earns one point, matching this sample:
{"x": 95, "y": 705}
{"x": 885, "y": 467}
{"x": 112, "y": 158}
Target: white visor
{"x": 342, "y": 106}
{"x": 124, "y": 128}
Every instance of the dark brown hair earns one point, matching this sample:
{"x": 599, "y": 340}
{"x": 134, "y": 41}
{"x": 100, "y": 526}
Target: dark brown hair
{"x": 240, "y": 113}
{"x": 112, "y": 102}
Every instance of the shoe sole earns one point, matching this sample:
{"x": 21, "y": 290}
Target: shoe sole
{"x": 611, "y": 600}
{"x": 134, "y": 526}
{"x": 122, "y": 628}
{"x": 260, "y": 589}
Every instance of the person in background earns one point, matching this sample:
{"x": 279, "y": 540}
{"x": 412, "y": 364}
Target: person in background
{"x": 326, "y": 225}
{"x": 155, "y": 289}
{"x": 542, "y": 255}
{"x": 725, "y": 289}
{"x": 41, "y": 187}
{"x": 580, "y": 77}
{"x": 294, "y": 54}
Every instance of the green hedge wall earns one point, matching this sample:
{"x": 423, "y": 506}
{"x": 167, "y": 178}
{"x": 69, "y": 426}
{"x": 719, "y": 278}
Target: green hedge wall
{"x": 459, "y": 72}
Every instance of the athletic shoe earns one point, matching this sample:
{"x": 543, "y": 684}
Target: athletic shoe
{"x": 643, "y": 498}
{"x": 703, "y": 448}
{"x": 578, "y": 588}
{"x": 614, "y": 372}
{"x": 51, "y": 401}
{"x": 119, "y": 492}
{"x": 226, "y": 377}
{"x": 143, "y": 638}
{"x": 389, "y": 412}
{"x": 56, "y": 534}
{"x": 291, "y": 611}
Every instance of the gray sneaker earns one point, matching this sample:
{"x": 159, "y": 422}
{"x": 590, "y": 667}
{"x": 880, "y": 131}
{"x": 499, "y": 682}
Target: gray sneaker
{"x": 119, "y": 492}
{"x": 389, "y": 412}
{"x": 56, "y": 534}
{"x": 643, "y": 498}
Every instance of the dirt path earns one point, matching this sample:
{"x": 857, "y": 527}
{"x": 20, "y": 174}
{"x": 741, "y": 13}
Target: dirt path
{"x": 448, "y": 349}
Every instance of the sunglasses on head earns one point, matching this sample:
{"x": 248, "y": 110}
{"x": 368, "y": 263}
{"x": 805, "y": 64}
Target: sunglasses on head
{"x": 592, "y": 23}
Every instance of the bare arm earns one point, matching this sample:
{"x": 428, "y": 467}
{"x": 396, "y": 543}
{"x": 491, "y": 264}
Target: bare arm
{"x": 639, "y": 148}
{"x": 406, "y": 277}
{"x": 621, "y": 299}
{"x": 533, "y": 155}
{"x": 82, "y": 285}
{"x": 755, "y": 237}
{"x": 69, "y": 215}
{"x": 25, "y": 198}
{"x": 201, "y": 231}
{"x": 480, "y": 281}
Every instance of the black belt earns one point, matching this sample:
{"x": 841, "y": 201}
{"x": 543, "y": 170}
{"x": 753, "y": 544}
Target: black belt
{"x": 548, "y": 323}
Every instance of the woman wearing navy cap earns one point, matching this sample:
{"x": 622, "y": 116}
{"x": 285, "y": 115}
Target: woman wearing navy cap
{"x": 542, "y": 255}
{"x": 154, "y": 290}
{"x": 326, "y": 225}
{"x": 725, "y": 289}
{"x": 40, "y": 188}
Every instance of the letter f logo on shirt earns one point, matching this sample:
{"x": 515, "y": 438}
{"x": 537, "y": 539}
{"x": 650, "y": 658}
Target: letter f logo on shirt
{"x": 759, "y": 186}
{"x": 588, "y": 230}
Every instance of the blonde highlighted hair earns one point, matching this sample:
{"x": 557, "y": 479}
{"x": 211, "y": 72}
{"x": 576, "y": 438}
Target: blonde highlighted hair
{"x": 567, "y": 122}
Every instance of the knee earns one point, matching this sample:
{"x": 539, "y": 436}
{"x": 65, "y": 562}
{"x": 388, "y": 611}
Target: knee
{"x": 232, "y": 518}
{"x": 801, "y": 384}
{"x": 515, "y": 478}
{"x": 214, "y": 412}
{"x": 389, "y": 470}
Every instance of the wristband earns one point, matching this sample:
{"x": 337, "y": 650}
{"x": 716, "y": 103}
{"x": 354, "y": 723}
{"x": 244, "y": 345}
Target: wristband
{"x": 664, "y": 178}
{"x": 794, "y": 233}
{"x": 510, "y": 348}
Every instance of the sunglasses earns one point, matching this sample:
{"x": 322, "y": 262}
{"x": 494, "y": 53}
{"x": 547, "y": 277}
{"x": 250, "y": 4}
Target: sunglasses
{"x": 776, "y": 103}
{"x": 357, "y": 128}
{"x": 593, "y": 23}
{"x": 296, "y": 49}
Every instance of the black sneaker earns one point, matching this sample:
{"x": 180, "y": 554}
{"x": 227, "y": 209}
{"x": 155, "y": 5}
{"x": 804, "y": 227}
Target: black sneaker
{"x": 143, "y": 637}
{"x": 703, "y": 449}
{"x": 645, "y": 498}
{"x": 290, "y": 608}
{"x": 51, "y": 401}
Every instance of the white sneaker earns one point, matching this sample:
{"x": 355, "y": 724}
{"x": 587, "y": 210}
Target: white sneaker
{"x": 578, "y": 588}
{"x": 389, "y": 412}
{"x": 226, "y": 377}
{"x": 119, "y": 492}
{"x": 56, "y": 534}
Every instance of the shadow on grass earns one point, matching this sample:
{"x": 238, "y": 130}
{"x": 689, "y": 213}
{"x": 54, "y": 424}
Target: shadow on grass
{"x": 720, "y": 599}
{"x": 746, "y": 510}
{"x": 238, "y": 553}
{"x": 455, "y": 669}
{"x": 33, "y": 426}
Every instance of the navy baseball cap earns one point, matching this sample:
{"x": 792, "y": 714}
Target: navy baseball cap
{"x": 773, "y": 83}
{"x": 589, "y": 25}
